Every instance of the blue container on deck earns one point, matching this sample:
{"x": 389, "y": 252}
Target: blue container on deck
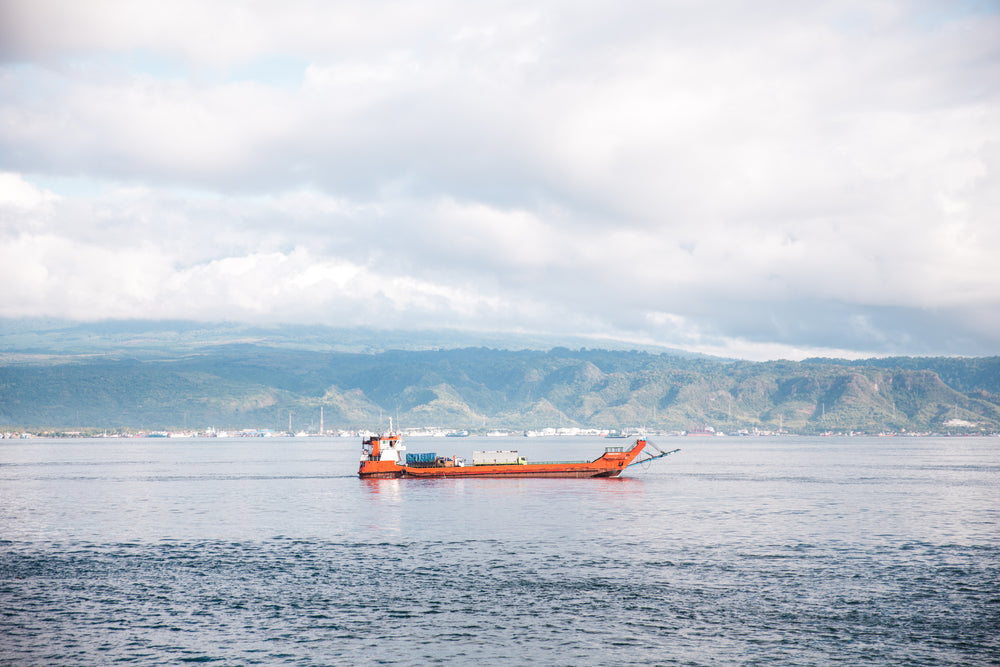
{"x": 416, "y": 457}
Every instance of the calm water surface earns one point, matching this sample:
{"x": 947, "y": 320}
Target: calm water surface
{"x": 789, "y": 551}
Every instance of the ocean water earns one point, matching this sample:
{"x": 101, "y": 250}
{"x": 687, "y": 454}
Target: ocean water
{"x": 741, "y": 551}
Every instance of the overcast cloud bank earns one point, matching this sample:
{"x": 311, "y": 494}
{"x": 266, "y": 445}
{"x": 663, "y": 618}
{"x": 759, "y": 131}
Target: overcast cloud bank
{"x": 748, "y": 179}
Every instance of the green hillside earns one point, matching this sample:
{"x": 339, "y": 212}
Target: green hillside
{"x": 258, "y": 386}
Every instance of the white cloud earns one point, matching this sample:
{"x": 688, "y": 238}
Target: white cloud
{"x": 44, "y": 274}
{"x": 760, "y": 173}
{"x": 17, "y": 193}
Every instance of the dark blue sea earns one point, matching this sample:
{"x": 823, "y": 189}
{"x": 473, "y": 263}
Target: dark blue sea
{"x": 733, "y": 551}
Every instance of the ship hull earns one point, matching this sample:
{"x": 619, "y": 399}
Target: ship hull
{"x": 491, "y": 471}
{"x": 380, "y": 470}
{"x": 393, "y": 474}
{"x": 511, "y": 471}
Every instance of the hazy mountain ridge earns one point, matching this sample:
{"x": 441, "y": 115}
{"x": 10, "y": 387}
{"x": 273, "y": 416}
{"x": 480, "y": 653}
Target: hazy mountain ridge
{"x": 247, "y": 385}
{"x": 153, "y": 338}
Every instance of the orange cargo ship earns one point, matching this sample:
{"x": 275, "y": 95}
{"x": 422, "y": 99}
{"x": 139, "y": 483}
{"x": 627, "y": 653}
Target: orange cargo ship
{"x": 382, "y": 456}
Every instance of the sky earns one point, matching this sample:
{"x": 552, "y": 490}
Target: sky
{"x": 756, "y": 179}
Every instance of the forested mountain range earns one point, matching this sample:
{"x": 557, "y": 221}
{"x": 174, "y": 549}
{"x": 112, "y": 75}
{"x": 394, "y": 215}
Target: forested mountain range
{"x": 257, "y": 384}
